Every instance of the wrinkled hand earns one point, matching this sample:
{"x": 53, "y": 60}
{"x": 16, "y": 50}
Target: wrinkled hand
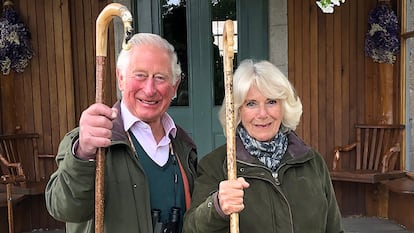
{"x": 231, "y": 194}
{"x": 95, "y": 126}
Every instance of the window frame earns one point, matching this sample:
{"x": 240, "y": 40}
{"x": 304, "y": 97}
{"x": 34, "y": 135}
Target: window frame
{"x": 405, "y": 36}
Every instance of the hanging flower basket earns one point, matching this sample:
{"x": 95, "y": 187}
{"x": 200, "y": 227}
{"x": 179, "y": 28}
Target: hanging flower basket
{"x": 15, "y": 48}
{"x": 327, "y": 6}
{"x": 382, "y": 41}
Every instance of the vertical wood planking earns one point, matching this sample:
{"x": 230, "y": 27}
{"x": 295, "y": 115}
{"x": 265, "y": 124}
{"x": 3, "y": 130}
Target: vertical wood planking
{"x": 304, "y": 77}
{"x": 352, "y": 92}
{"x": 330, "y": 97}
{"x": 79, "y": 50}
{"x": 291, "y": 35}
{"x": 89, "y": 20}
{"x": 337, "y": 83}
{"x": 345, "y": 70}
{"x": 314, "y": 133}
{"x": 337, "y": 76}
{"x": 35, "y": 73}
{"x": 360, "y": 69}
{"x": 371, "y": 78}
{"x": 60, "y": 73}
{"x": 68, "y": 68}
{"x": 44, "y": 110}
{"x": 23, "y": 84}
{"x": 321, "y": 77}
{"x": 52, "y": 125}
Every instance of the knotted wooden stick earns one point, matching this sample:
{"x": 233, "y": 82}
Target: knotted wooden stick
{"x": 228, "y": 43}
{"x": 102, "y": 23}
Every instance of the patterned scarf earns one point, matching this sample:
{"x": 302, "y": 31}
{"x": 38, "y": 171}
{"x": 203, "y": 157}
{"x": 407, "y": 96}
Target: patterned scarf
{"x": 269, "y": 153}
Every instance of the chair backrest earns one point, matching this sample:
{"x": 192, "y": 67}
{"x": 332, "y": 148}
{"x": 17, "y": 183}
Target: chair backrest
{"x": 23, "y": 149}
{"x": 376, "y": 141}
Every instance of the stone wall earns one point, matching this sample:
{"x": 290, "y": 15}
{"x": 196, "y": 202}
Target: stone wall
{"x": 278, "y": 34}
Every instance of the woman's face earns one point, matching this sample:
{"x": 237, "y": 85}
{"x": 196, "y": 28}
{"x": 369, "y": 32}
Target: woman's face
{"x": 260, "y": 116}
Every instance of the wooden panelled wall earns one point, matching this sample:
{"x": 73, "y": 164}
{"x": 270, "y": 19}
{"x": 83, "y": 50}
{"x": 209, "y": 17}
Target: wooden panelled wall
{"x": 336, "y": 82}
{"x": 59, "y": 83}
{"x": 41, "y": 98}
{"x": 49, "y": 96}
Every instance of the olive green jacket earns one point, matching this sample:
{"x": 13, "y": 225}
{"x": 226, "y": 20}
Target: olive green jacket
{"x": 70, "y": 191}
{"x": 298, "y": 197}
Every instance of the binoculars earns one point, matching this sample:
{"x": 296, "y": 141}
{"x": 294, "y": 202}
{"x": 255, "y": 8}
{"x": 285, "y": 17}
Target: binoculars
{"x": 171, "y": 226}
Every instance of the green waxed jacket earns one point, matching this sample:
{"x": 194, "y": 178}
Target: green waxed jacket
{"x": 298, "y": 198}
{"x": 70, "y": 191}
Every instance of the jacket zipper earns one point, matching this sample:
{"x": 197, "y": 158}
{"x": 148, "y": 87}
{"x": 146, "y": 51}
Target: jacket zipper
{"x": 275, "y": 175}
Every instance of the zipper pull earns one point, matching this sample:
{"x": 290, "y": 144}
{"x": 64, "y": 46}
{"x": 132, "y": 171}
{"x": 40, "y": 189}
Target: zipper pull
{"x": 275, "y": 176}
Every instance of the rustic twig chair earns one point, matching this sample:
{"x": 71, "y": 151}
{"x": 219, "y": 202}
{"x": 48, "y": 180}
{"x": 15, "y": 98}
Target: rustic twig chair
{"x": 377, "y": 151}
{"x": 20, "y": 171}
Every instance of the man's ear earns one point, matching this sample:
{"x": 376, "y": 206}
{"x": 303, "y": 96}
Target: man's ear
{"x": 121, "y": 79}
{"x": 176, "y": 85}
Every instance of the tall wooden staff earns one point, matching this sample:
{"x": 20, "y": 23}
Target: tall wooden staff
{"x": 228, "y": 43}
{"x": 102, "y": 23}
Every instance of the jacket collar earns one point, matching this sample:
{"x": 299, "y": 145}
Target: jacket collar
{"x": 118, "y": 133}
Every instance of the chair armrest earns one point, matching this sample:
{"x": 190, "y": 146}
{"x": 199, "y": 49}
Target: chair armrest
{"x": 10, "y": 179}
{"x": 17, "y": 166}
{"x": 46, "y": 156}
{"x": 337, "y": 154}
{"x": 389, "y": 159}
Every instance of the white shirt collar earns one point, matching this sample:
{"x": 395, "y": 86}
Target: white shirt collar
{"x": 158, "y": 152}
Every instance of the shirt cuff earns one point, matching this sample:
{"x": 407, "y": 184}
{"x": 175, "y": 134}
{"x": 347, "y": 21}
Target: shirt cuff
{"x": 75, "y": 148}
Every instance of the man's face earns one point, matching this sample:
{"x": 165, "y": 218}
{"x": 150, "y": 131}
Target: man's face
{"x": 147, "y": 86}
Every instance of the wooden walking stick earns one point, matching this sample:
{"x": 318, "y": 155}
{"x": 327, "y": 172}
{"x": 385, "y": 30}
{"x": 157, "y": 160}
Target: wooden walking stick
{"x": 228, "y": 43}
{"x": 102, "y": 23}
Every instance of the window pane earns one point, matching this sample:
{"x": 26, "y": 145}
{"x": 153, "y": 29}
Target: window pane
{"x": 221, "y": 10}
{"x": 174, "y": 29}
{"x": 410, "y": 16}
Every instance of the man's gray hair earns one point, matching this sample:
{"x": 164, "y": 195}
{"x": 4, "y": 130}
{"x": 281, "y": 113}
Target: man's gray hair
{"x": 150, "y": 39}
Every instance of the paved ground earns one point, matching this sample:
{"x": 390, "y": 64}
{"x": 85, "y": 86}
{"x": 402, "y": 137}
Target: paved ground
{"x": 372, "y": 225}
{"x": 351, "y": 225}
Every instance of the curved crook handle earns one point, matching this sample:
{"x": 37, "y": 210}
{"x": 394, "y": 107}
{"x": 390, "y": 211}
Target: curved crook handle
{"x": 228, "y": 46}
{"x": 102, "y": 24}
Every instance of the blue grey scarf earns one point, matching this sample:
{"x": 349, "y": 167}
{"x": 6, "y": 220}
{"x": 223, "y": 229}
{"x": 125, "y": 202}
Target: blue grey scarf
{"x": 269, "y": 153}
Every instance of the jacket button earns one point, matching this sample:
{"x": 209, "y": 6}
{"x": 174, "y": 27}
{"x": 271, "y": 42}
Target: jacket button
{"x": 135, "y": 186}
{"x": 241, "y": 169}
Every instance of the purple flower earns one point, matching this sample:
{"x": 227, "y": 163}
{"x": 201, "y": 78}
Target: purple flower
{"x": 15, "y": 48}
{"x": 382, "y": 41}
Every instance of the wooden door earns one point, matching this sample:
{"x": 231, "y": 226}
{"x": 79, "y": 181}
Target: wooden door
{"x": 189, "y": 25}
